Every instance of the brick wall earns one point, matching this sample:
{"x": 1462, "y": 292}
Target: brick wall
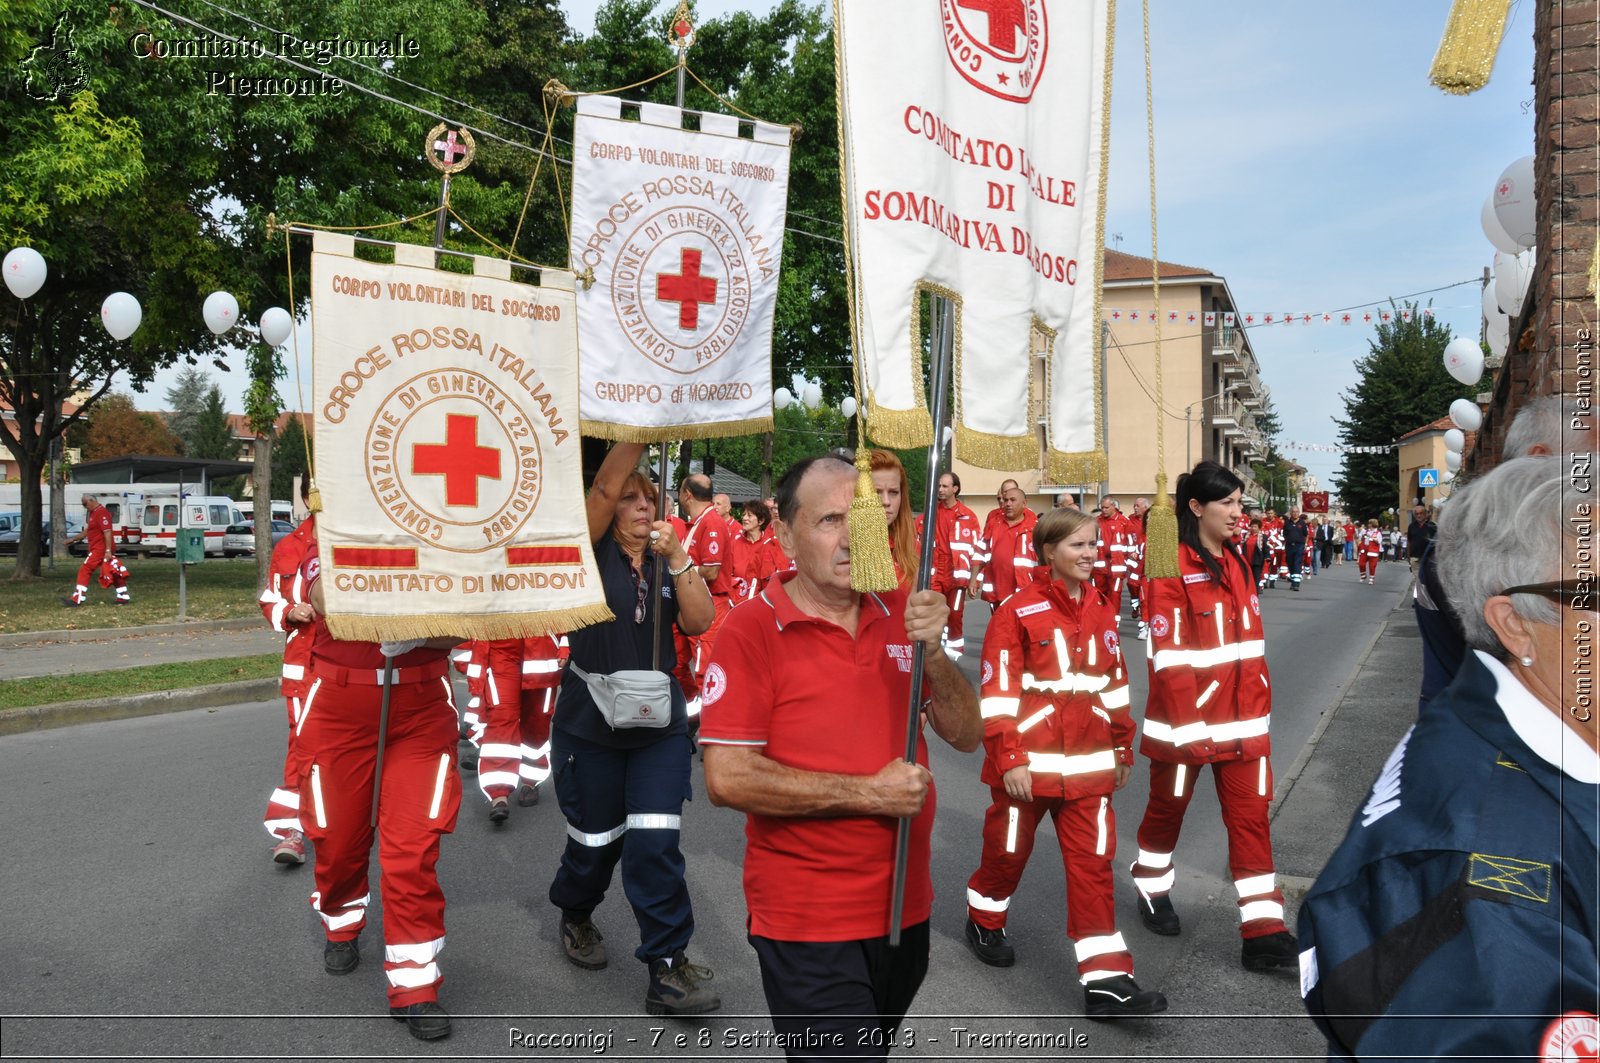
{"x": 1546, "y": 354}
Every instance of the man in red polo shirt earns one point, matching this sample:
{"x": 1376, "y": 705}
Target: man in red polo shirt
{"x": 805, "y": 712}
{"x": 102, "y": 553}
{"x": 1005, "y": 560}
{"x": 707, "y": 545}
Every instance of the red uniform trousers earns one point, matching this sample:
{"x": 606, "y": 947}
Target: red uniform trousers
{"x": 90, "y": 570}
{"x": 1369, "y": 564}
{"x": 955, "y": 596}
{"x": 421, "y": 794}
{"x": 516, "y": 740}
{"x": 283, "y": 807}
{"x": 1086, "y": 828}
{"x": 701, "y": 648}
{"x": 1244, "y": 789}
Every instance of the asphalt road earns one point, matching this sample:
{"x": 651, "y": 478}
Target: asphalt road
{"x": 142, "y": 918}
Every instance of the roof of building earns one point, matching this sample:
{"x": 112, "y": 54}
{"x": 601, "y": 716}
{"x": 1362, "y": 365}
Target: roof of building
{"x": 1443, "y": 424}
{"x": 136, "y": 467}
{"x": 1125, "y": 267}
{"x": 239, "y": 424}
{"x": 723, "y": 481}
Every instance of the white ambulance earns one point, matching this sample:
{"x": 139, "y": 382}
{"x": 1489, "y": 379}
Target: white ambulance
{"x": 159, "y": 522}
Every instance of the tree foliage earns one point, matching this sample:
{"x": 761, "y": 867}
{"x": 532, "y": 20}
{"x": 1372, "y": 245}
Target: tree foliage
{"x": 213, "y": 436}
{"x": 288, "y": 458}
{"x": 115, "y": 429}
{"x": 1403, "y": 386}
{"x": 186, "y": 401}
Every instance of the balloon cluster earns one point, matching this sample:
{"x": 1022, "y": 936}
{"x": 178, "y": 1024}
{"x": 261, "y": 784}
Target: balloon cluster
{"x": 809, "y": 394}
{"x": 1509, "y": 221}
{"x": 25, "y": 273}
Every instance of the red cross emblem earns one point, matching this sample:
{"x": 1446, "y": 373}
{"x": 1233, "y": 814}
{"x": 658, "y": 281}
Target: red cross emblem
{"x": 459, "y": 459}
{"x": 1504, "y": 190}
{"x": 1345, "y": 318}
{"x": 687, "y": 288}
{"x": 1006, "y": 17}
{"x": 450, "y": 148}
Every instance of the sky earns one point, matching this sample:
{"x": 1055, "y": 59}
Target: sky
{"x": 1301, "y": 154}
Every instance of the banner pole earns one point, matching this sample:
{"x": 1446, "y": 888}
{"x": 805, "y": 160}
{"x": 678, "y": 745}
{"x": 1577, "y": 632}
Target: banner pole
{"x": 383, "y": 734}
{"x": 944, "y": 343}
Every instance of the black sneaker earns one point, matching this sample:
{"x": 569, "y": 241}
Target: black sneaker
{"x": 71, "y": 603}
{"x": 1270, "y": 951}
{"x": 426, "y": 1021}
{"x": 527, "y": 795}
{"x": 676, "y": 989}
{"x": 341, "y": 957}
{"x": 499, "y": 811}
{"x": 581, "y": 941}
{"x": 1118, "y": 998}
{"x": 1158, "y": 915}
{"x": 990, "y": 946}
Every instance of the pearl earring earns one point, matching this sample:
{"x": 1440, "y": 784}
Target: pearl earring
{"x": 1527, "y": 662}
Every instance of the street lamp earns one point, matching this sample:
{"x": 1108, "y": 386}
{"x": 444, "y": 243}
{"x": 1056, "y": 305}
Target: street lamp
{"x": 1188, "y": 439}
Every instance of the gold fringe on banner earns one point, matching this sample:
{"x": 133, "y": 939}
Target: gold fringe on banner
{"x": 1083, "y": 467}
{"x": 356, "y": 627}
{"x": 871, "y": 564}
{"x": 1471, "y": 39}
{"x": 633, "y": 433}
{"x": 1161, "y": 535}
{"x": 1594, "y": 276}
{"x": 898, "y": 429}
{"x": 996, "y": 452}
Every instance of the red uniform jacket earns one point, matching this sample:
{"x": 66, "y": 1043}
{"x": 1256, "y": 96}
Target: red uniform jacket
{"x": 1006, "y": 554}
{"x": 288, "y": 586}
{"x": 1210, "y": 697}
{"x": 524, "y": 664}
{"x": 1369, "y": 541}
{"x": 956, "y": 537}
{"x": 1114, "y": 538}
{"x": 1055, "y": 692}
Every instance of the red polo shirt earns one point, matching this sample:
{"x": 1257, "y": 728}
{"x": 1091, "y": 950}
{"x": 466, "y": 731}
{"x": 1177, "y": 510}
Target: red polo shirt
{"x": 708, "y": 545}
{"x": 815, "y": 698}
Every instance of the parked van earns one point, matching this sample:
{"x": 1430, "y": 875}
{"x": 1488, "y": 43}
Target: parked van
{"x": 159, "y": 526}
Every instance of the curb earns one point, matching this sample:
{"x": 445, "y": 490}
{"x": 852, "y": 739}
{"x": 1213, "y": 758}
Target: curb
{"x": 104, "y": 634}
{"x": 1285, "y": 786}
{"x": 98, "y": 710}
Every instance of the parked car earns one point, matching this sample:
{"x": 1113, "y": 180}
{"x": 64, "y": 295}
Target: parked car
{"x": 11, "y": 533}
{"x": 240, "y": 539}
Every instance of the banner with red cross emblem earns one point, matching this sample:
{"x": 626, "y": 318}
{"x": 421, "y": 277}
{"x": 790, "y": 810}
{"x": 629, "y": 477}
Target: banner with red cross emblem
{"x": 447, "y": 449}
{"x": 972, "y": 135}
{"x": 677, "y": 236}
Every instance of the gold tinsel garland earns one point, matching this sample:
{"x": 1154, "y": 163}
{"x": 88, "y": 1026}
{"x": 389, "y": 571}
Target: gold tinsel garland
{"x": 1466, "y": 52}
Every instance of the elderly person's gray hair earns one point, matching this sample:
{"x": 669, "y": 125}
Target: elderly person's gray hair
{"x": 1508, "y": 528}
{"x": 1539, "y": 423}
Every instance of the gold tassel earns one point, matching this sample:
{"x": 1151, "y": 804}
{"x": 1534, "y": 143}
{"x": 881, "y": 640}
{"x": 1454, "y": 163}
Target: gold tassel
{"x": 1161, "y": 535}
{"x": 1471, "y": 39}
{"x": 314, "y": 497}
{"x": 871, "y": 566}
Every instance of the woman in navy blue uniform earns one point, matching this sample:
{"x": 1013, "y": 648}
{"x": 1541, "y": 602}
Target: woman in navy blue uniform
{"x": 1459, "y": 916}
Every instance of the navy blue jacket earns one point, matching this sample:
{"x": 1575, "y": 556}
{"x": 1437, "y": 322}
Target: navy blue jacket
{"x": 1458, "y": 916}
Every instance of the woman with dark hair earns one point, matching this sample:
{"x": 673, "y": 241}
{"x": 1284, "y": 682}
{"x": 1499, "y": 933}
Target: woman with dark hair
{"x": 622, "y": 791}
{"x": 889, "y": 479}
{"x": 1210, "y": 703}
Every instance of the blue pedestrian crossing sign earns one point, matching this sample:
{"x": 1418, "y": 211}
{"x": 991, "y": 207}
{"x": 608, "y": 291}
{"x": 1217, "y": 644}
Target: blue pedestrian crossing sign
{"x": 1427, "y": 477}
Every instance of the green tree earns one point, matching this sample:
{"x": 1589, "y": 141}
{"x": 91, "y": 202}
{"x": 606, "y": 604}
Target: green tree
{"x": 1403, "y": 386}
{"x": 186, "y": 401}
{"x": 213, "y": 433}
{"x": 288, "y": 458}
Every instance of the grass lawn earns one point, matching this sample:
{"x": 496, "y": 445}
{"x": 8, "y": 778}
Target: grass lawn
{"x": 218, "y": 589}
{"x": 49, "y": 690}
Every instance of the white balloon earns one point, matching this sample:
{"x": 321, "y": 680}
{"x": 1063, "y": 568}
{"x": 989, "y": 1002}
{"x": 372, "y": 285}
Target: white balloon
{"x": 1513, "y": 201}
{"x": 1511, "y": 276}
{"x": 1465, "y": 415}
{"x": 121, "y": 314}
{"x": 1494, "y": 230}
{"x": 848, "y": 406}
{"x": 276, "y": 324}
{"x": 1489, "y": 302}
{"x": 221, "y": 312}
{"x": 25, "y": 271}
{"x": 1498, "y": 341}
{"x": 1448, "y": 477}
{"x": 1464, "y": 359}
{"x": 1454, "y": 440}
{"x": 813, "y": 395}
{"x": 1452, "y": 460}
{"x": 782, "y": 398}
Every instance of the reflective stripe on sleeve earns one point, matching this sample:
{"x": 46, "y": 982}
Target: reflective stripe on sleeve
{"x": 541, "y": 667}
{"x": 992, "y": 707}
{"x": 1080, "y": 764}
{"x": 1115, "y": 699}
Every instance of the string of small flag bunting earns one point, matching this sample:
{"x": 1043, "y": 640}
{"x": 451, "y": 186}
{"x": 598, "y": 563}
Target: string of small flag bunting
{"x": 1337, "y": 448}
{"x": 1234, "y": 319}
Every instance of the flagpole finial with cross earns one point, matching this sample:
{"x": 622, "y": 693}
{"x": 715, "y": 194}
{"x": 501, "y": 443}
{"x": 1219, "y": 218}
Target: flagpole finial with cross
{"x": 450, "y": 150}
{"x": 681, "y": 35}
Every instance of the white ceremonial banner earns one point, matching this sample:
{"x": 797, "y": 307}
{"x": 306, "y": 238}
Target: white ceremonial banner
{"x": 973, "y": 161}
{"x": 682, "y": 234}
{"x": 447, "y": 450}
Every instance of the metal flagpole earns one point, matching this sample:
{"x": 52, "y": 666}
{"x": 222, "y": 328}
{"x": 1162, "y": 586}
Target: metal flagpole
{"x": 944, "y": 341}
{"x": 661, "y": 465}
{"x": 383, "y": 734}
